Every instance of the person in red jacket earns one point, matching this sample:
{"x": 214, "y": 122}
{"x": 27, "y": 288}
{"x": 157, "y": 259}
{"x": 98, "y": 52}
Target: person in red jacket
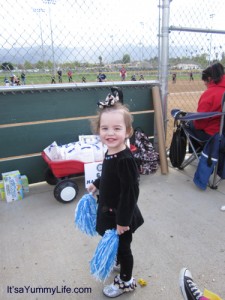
{"x": 123, "y": 73}
{"x": 210, "y": 101}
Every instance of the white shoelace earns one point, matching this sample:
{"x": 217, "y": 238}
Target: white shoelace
{"x": 196, "y": 292}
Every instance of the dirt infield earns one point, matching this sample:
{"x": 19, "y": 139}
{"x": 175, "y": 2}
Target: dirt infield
{"x": 183, "y": 94}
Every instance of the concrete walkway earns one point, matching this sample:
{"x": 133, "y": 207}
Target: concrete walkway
{"x": 40, "y": 248}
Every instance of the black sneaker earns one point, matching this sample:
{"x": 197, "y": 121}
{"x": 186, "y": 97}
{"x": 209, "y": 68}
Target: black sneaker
{"x": 189, "y": 289}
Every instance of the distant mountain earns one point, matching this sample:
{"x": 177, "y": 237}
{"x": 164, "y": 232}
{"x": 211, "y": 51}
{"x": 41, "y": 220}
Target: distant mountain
{"x": 87, "y": 54}
{"x": 69, "y": 54}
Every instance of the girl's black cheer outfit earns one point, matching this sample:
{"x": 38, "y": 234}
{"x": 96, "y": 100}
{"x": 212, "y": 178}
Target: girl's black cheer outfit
{"x": 117, "y": 205}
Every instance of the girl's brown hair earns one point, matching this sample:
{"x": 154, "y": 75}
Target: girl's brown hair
{"x": 128, "y": 118}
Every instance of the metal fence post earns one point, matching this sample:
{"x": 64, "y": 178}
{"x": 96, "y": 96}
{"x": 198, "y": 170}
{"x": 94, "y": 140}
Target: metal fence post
{"x": 164, "y": 56}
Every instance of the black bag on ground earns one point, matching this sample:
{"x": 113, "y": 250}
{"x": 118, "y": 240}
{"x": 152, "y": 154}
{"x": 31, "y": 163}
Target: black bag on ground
{"x": 178, "y": 147}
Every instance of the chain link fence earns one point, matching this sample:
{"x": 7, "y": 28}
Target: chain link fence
{"x": 196, "y": 40}
{"x": 40, "y": 38}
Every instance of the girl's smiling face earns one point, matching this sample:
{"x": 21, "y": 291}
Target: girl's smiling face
{"x": 112, "y": 131}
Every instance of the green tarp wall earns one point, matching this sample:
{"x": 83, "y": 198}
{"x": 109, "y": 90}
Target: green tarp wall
{"x": 31, "y": 118}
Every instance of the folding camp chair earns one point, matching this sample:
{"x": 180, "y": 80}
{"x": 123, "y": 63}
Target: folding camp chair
{"x": 183, "y": 118}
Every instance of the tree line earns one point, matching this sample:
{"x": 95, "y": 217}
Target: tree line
{"x": 201, "y": 60}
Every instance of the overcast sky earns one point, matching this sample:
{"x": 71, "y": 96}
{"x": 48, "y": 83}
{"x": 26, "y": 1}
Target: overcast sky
{"x": 106, "y": 22}
{"x": 83, "y": 20}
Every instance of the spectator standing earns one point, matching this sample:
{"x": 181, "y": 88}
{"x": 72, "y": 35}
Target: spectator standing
{"x": 53, "y": 79}
{"x": 123, "y": 73}
{"x": 191, "y": 76}
{"x": 23, "y": 78}
{"x": 59, "y": 72}
{"x": 70, "y": 74}
{"x": 174, "y": 77}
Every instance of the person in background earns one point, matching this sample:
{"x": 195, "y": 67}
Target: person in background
{"x": 6, "y": 81}
{"x": 123, "y": 73}
{"x": 70, "y": 74}
{"x": 101, "y": 77}
{"x": 174, "y": 77}
{"x": 17, "y": 80}
{"x": 210, "y": 101}
{"x": 23, "y": 78}
{"x": 191, "y": 76}
{"x": 14, "y": 80}
{"x": 53, "y": 79}
{"x": 118, "y": 189}
{"x": 133, "y": 78}
{"x": 59, "y": 72}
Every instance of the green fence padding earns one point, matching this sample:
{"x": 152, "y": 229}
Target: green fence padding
{"x": 34, "y": 138}
{"x": 34, "y": 167}
{"x": 22, "y": 140}
{"x": 33, "y": 118}
{"x": 145, "y": 122}
{"x": 33, "y": 105}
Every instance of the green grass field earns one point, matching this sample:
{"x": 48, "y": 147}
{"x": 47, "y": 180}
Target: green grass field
{"x": 43, "y": 78}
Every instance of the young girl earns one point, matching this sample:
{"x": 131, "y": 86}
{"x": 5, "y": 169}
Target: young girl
{"x": 118, "y": 190}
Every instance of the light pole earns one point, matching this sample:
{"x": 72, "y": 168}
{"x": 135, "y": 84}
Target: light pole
{"x": 142, "y": 39}
{"x": 112, "y": 37}
{"x": 38, "y": 11}
{"x": 159, "y": 37}
{"x": 51, "y": 32}
{"x": 210, "y": 45}
{"x": 141, "y": 55}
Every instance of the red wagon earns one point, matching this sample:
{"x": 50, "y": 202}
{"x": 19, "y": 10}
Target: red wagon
{"x": 59, "y": 173}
